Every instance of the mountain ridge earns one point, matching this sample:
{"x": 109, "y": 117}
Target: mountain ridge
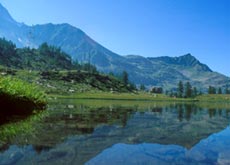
{"x": 151, "y": 71}
{"x": 184, "y": 60}
{"x": 5, "y": 15}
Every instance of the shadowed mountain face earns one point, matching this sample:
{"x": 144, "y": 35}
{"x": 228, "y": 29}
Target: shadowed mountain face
{"x": 160, "y": 71}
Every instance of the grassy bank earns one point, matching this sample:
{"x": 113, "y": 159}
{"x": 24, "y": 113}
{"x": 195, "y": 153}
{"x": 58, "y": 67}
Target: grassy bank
{"x": 18, "y": 94}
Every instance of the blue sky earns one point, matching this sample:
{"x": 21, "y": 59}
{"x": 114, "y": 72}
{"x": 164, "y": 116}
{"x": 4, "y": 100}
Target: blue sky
{"x": 142, "y": 27}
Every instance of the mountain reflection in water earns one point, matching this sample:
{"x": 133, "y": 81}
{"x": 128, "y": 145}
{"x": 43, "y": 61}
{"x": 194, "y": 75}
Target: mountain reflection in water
{"x": 125, "y": 133}
{"x": 213, "y": 150}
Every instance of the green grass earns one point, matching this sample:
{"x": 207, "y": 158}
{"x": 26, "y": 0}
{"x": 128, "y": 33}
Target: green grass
{"x": 15, "y": 90}
{"x": 139, "y": 96}
{"x": 214, "y": 97}
{"x": 142, "y": 96}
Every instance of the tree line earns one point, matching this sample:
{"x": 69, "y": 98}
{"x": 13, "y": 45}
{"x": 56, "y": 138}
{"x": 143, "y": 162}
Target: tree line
{"x": 45, "y": 57}
{"x": 214, "y": 90}
{"x": 185, "y": 90}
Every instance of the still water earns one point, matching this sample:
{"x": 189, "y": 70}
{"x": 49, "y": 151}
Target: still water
{"x": 120, "y": 132}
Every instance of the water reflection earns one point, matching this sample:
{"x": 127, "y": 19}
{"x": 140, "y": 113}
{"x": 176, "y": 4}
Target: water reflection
{"x": 10, "y": 113}
{"x": 75, "y": 132}
{"x": 212, "y": 150}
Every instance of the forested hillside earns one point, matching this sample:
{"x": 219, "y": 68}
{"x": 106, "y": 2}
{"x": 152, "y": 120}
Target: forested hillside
{"x": 44, "y": 58}
{"x": 54, "y": 70}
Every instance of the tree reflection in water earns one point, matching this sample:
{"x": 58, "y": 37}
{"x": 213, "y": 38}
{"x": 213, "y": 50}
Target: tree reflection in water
{"x": 95, "y": 128}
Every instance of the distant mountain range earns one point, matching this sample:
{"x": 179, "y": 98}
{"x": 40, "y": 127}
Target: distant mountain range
{"x": 160, "y": 71}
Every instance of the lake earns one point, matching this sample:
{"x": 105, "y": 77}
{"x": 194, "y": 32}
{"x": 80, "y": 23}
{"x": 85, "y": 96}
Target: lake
{"x": 111, "y": 132}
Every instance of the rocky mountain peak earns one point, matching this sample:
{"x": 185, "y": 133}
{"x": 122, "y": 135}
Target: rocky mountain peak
{"x": 191, "y": 61}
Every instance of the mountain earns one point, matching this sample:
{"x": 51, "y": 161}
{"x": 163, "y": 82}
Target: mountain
{"x": 168, "y": 71}
{"x": 160, "y": 71}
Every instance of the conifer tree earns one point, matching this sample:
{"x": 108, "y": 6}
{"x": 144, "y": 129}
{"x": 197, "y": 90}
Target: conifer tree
{"x": 180, "y": 90}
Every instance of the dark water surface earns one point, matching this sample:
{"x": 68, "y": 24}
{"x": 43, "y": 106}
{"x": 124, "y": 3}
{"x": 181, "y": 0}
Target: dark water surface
{"x": 119, "y": 132}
